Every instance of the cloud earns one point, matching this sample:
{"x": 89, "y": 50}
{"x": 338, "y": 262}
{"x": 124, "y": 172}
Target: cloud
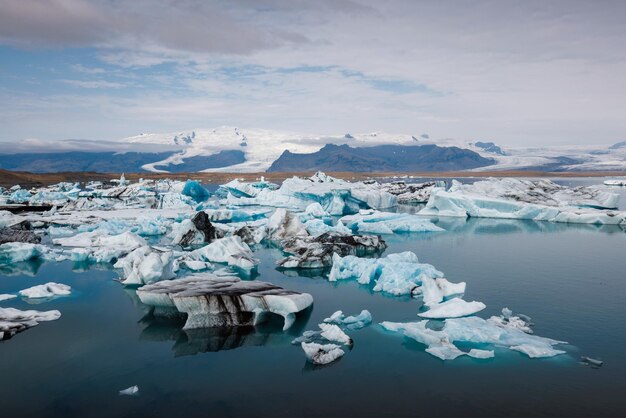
{"x": 515, "y": 72}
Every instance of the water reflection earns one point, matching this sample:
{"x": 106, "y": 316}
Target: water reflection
{"x": 27, "y": 268}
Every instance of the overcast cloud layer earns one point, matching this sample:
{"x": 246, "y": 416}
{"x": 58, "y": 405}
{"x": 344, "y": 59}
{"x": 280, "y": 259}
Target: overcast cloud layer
{"x": 515, "y": 72}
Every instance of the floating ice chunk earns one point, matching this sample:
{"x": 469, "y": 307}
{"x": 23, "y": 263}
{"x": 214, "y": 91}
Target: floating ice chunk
{"x": 507, "y": 319}
{"x": 411, "y": 193}
{"x": 194, "y": 190}
{"x": 196, "y": 230}
{"x": 351, "y": 322}
{"x": 594, "y": 363}
{"x": 539, "y": 200}
{"x": 131, "y": 391}
{"x": 373, "y": 222}
{"x": 145, "y": 265}
{"x": 102, "y": 248}
{"x": 14, "y": 320}
{"x": 317, "y": 227}
{"x": 242, "y": 189}
{"x": 20, "y": 196}
{"x": 14, "y": 252}
{"x": 397, "y": 274}
{"x": 435, "y": 290}
{"x": 322, "y": 353}
{"x": 453, "y": 308}
{"x": 537, "y": 351}
{"x": 316, "y": 210}
{"x": 482, "y": 354}
{"x": 234, "y": 215}
{"x": 615, "y": 182}
{"x": 333, "y": 333}
{"x": 195, "y": 265}
{"x": 230, "y": 250}
{"x": 319, "y": 251}
{"x": 6, "y": 296}
{"x": 213, "y": 301}
{"x": 477, "y": 331}
{"x": 47, "y": 290}
{"x": 284, "y": 224}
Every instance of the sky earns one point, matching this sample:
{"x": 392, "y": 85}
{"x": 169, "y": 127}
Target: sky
{"x": 519, "y": 73}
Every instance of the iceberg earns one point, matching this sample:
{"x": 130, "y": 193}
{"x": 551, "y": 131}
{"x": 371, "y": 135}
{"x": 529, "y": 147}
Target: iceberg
{"x": 322, "y": 353}
{"x": 242, "y": 189}
{"x": 14, "y": 320}
{"x": 284, "y": 224}
{"x": 318, "y": 227}
{"x": 131, "y": 391}
{"x": 229, "y": 250}
{"x": 540, "y": 200}
{"x": 145, "y": 265}
{"x": 477, "y": 331}
{"x": 14, "y": 252}
{"x": 333, "y": 333}
{"x": 397, "y": 274}
{"x": 48, "y": 290}
{"x": 411, "y": 193}
{"x": 335, "y": 196}
{"x": 197, "y": 230}
{"x": 453, "y": 308}
{"x": 194, "y": 190}
{"x": 213, "y": 301}
{"x": 5, "y": 296}
{"x": 374, "y": 222}
{"x": 352, "y": 322}
{"x": 318, "y": 252}
{"x": 100, "y": 247}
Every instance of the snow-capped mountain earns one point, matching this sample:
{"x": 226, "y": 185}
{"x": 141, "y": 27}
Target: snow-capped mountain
{"x": 259, "y": 148}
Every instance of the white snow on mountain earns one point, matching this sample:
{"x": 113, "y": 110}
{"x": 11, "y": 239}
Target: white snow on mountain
{"x": 262, "y": 147}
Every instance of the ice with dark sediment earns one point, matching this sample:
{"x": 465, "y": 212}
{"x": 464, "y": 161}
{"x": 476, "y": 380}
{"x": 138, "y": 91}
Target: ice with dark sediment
{"x": 214, "y": 301}
{"x": 318, "y": 252}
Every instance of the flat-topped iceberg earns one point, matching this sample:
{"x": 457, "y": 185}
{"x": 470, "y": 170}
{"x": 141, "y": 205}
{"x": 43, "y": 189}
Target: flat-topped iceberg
{"x": 375, "y": 222}
{"x": 212, "y": 301}
{"x": 453, "y": 308}
{"x": 540, "y": 200}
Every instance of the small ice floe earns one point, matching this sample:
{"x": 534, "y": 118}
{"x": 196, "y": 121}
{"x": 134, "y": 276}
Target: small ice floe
{"x": 14, "y": 320}
{"x": 352, "y": 322}
{"x": 615, "y": 182}
{"x": 592, "y": 362}
{"x": 47, "y": 290}
{"x": 519, "y": 321}
{"x": 229, "y": 250}
{"x": 453, "y": 308}
{"x": 333, "y": 333}
{"x": 131, "y": 391}
{"x": 6, "y": 296}
{"x": 322, "y": 353}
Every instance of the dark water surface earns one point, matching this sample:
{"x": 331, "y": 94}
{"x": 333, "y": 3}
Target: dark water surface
{"x": 570, "y": 279}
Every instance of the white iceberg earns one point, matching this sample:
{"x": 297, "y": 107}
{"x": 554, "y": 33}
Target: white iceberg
{"x": 539, "y": 200}
{"x": 229, "y": 250}
{"x": 99, "y": 247}
{"x": 453, "y": 308}
{"x": 322, "y": 353}
{"x": 333, "y": 333}
{"x": 47, "y": 290}
{"x": 14, "y": 320}
{"x": 351, "y": 322}
{"x": 6, "y": 296}
{"x": 145, "y": 265}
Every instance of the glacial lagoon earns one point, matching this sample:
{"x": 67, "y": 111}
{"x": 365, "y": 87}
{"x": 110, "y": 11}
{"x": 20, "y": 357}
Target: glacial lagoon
{"x": 571, "y": 279}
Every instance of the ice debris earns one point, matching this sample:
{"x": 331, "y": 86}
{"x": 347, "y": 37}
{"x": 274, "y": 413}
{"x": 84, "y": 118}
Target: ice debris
{"x": 321, "y": 354}
{"x": 229, "y": 250}
{"x": 131, "y": 391}
{"x": 352, "y": 322}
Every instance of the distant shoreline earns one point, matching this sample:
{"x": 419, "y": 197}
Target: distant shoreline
{"x": 26, "y": 179}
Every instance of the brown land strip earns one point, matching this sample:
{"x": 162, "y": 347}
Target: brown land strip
{"x": 26, "y": 179}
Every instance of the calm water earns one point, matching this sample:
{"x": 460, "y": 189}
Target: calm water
{"x": 570, "y": 279}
